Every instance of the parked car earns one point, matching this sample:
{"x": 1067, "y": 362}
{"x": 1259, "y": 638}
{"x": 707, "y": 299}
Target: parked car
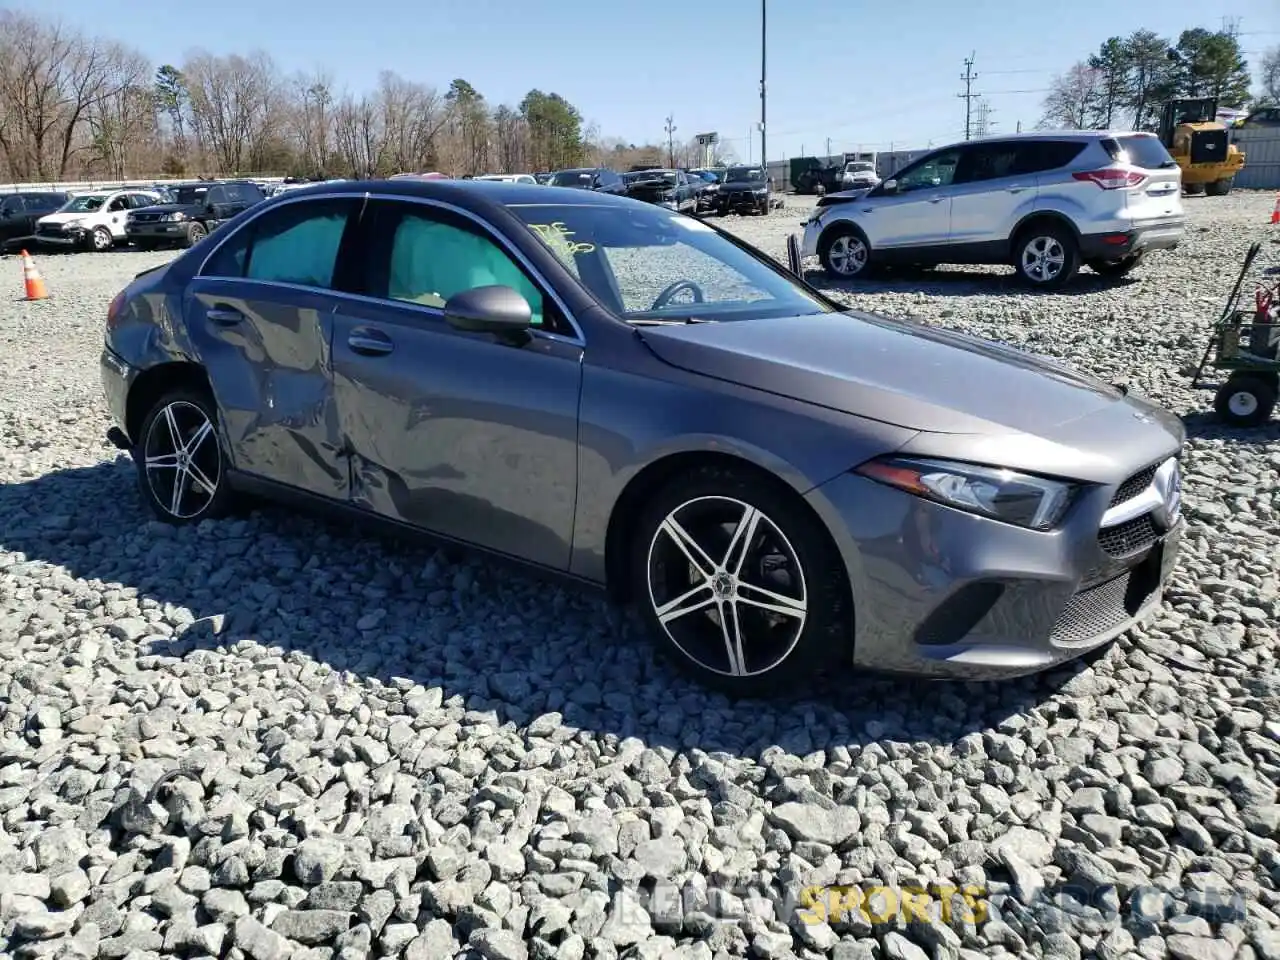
{"x": 92, "y": 221}
{"x": 599, "y": 179}
{"x": 818, "y": 179}
{"x": 1046, "y": 203}
{"x": 667, "y": 188}
{"x": 19, "y": 213}
{"x": 543, "y": 178}
{"x": 745, "y": 189}
{"x": 711, "y": 186}
{"x": 194, "y": 211}
{"x": 858, "y": 175}
{"x": 780, "y": 486}
{"x": 509, "y": 177}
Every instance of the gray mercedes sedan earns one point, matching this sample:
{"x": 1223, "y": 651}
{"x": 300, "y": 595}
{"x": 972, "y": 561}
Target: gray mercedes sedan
{"x": 632, "y": 398}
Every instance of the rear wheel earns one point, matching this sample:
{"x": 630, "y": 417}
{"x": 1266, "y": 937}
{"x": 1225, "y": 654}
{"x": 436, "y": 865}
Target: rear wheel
{"x": 1219, "y": 188}
{"x": 181, "y": 466}
{"x": 1246, "y": 400}
{"x": 1046, "y": 256}
{"x": 739, "y": 582}
{"x": 844, "y": 253}
{"x": 1115, "y": 268}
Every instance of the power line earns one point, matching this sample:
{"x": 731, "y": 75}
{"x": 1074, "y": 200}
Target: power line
{"x": 968, "y": 95}
{"x": 671, "y": 141}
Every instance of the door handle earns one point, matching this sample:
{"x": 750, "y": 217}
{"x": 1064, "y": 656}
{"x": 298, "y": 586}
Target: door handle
{"x": 226, "y": 316}
{"x": 1018, "y": 189}
{"x": 937, "y": 199}
{"x": 370, "y": 344}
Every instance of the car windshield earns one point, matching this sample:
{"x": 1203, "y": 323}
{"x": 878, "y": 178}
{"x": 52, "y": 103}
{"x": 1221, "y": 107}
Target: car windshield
{"x": 650, "y": 265}
{"x": 861, "y": 168}
{"x": 640, "y": 176}
{"x": 738, "y": 174}
{"x": 573, "y": 178}
{"x": 86, "y": 203}
{"x": 189, "y": 195}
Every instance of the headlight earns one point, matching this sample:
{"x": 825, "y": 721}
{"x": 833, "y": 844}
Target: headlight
{"x": 71, "y": 224}
{"x": 1018, "y": 498}
{"x": 176, "y": 217}
{"x": 760, "y": 191}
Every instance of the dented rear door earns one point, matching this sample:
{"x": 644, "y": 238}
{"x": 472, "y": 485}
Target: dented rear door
{"x": 261, "y": 312}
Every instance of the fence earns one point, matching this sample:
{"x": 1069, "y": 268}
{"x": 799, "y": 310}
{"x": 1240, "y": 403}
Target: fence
{"x": 85, "y": 186}
{"x": 1261, "y": 148}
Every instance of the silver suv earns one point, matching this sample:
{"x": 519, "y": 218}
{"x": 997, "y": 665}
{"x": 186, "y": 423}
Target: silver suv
{"x": 1043, "y": 202}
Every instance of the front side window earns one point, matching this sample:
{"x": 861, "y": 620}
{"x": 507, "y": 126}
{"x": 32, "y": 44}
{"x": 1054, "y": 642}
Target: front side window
{"x": 118, "y": 204}
{"x": 420, "y": 258}
{"x": 11, "y": 207}
{"x": 297, "y": 243}
{"x": 938, "y": 170}
{"x": 653, "y": 265}
{"x": 191, "y": 196}
{"x": 988, "y": 162}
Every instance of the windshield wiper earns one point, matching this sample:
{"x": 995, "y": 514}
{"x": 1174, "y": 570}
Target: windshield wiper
{"x": 651, "y": 322}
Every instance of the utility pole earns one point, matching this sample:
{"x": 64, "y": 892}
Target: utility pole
{"x": 1019, "y": 126}
{"x": 968, "y": 95}
{"x": 828, "y": 148}
{"x": 764, "y": 154}
{"x": 671, "y": 141}
{"x": 982, "y": 123}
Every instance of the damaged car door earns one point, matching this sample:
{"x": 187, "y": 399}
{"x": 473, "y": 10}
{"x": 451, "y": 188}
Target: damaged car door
{"x": 261, "y": 310}
{"x": 459, "y": 433}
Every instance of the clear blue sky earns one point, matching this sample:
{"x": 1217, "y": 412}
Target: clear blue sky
{"x": 864, "y": 75}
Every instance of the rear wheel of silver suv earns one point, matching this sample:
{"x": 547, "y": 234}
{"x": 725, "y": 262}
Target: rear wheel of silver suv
{"x": 1046, "y": 255}
{"x": 1115, "y": 268}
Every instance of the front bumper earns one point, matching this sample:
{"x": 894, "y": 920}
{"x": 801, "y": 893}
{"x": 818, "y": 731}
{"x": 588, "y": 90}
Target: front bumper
{"x": 64, "y": 240}
{"x": 946, "y": 594}
{"x": 733, "y": 203}
{"x": 809, "y": 239}
{"x": 1163, "y": 234}
{"x": 162, "y": 231}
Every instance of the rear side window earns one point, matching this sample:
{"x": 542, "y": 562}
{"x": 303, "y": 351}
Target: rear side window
{"x": 296, "y": 243}
{"x": 1145, "y": 152}
{"x": 1040, "y": 156}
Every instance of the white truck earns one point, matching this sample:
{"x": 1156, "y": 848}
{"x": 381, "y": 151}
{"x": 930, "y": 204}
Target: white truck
{"x": 859, "y": 171}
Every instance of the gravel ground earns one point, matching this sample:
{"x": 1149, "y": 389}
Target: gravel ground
{"x": 270, "y": 737}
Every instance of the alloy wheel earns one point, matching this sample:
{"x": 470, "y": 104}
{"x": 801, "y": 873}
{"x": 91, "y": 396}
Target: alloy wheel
{"x": 1242, "y": 403}
{"x": 101, "y": 240}
{"x": 847, "y": 255}
{"x": 1043, "y": 258}
{"x": 727, "y": 586}
{"x": 182, "y": 462}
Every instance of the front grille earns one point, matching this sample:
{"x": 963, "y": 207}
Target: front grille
{"x": 49, "y": 230}
{"x": 147, "y": 217}
{"x": 1134, "y": 485}
{"x": 1102, "y": 608}
{"x": 1128, "y": 538}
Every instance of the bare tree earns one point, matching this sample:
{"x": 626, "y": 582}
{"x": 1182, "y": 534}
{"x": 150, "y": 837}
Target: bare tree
{"x": 1073, "y": 99}
{"x": 413, "y": 117}
{"x": 231, "y": 105}
{"x": 122, "y": 124}
{"x": 314, "y": 119}
{"x": 359, "y": 136}
{"x": 1269, "y": 77}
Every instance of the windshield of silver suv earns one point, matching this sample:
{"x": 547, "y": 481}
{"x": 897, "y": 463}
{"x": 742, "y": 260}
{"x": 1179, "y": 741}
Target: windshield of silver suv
{"x": 665, "y": 267}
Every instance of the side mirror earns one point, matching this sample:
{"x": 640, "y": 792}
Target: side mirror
{"x": 495, "y": 309}
{"x": 6, "y": 214}
{"x": 889, "y": 186}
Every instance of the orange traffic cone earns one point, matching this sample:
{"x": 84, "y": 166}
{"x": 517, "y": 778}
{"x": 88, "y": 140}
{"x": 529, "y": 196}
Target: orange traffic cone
{"x": 36, "y": 290}
{"x": 1275, "y": 214}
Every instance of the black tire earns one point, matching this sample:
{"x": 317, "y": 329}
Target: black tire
{"x": 1246, "y": 400}
{"x": 1194, "y": 189}
{"x": 191, "y": 410}
{"x": 1219, "y": 188}
{"x": 803, "y": 563}
{"x": 1114, "y": 269}
{"x": 838, "y": 252}
{"x": 1049, "y": 240}
{"x": 195, "y": 233}
{"x": 101, "y": 240}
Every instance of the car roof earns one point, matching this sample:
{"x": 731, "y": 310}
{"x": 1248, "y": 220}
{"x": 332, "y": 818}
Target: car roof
{"x": 477, "y": 195}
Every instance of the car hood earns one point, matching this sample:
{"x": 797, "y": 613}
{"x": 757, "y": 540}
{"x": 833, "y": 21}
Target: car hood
{"x": 168, "y": 208}
{"x": 67, "y": 217}
{"x": 907, "y": 374}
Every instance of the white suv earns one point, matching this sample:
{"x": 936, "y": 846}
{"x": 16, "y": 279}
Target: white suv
{"x": 1043, "y": 202}
{"x": 93, "y": 221}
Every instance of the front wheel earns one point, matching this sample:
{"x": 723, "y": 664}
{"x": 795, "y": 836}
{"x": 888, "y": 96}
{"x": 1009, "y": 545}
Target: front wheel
{"x": 195, "y": 233}
{"x": 1245, "y": 400}
{"x": 181, "y": 466}
{"x": 844, "y": 253}
{"x": 1047, "y": 256}
{"x": 1115, "y": 268}
{"x": 1219, "y": 188}
{"x": 739, "y": 581}
{"x": 100, "y": 241}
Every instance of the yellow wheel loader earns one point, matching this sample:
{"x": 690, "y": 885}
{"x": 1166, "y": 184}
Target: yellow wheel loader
{"x": 1192, "y": 133}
